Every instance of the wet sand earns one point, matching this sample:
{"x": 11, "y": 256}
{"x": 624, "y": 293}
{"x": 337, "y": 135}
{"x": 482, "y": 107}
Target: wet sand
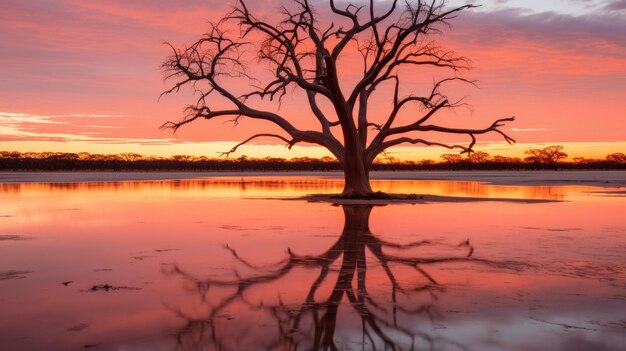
{"x": 590, "y": 178}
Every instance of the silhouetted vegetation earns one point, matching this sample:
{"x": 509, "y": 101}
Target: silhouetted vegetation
{"x": 550, "y": 157}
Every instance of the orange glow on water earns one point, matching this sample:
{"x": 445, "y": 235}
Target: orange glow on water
{"x": 132, "y": 234}
{"x": 289, "y": 186}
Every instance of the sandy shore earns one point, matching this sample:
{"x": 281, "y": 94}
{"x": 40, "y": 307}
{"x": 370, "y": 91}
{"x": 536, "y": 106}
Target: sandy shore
{"x": 590, "y": 178}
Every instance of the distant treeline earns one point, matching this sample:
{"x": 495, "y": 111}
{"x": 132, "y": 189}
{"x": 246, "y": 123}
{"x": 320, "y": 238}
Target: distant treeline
{"x": 550, "y": 157}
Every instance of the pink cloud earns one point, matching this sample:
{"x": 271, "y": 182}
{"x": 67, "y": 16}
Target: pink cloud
{"x": 618, "y": 5}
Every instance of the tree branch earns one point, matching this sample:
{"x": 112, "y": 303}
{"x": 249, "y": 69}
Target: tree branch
{"x": 289, "y": 142}
{"x": 376, "y": 149}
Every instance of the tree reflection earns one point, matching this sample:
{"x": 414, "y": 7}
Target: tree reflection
{"x": 385, "y": 322}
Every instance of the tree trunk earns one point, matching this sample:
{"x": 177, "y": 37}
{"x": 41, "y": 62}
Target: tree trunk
{"x": 355, "y": 167}
{"x": 356, "y": 175}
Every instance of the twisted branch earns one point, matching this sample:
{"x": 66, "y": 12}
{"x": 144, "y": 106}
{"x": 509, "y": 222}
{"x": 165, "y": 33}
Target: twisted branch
{"x": 304, "y": 53}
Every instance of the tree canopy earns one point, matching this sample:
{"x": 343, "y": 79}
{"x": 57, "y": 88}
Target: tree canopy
{"x": 302, "y": 50}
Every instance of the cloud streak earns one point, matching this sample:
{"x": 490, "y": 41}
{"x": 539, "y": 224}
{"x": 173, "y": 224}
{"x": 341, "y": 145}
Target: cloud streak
{"x": 28, "y": 127}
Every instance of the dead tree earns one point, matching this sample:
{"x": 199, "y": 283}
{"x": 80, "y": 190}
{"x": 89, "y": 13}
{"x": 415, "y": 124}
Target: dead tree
{"x": 303, "y": 52}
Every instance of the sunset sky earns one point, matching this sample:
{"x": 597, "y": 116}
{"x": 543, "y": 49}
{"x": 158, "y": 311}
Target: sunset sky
{"x": 82, "y": 75}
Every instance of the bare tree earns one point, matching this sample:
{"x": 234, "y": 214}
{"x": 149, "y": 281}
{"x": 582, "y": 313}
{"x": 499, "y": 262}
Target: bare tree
{"x": 302, "y": 51}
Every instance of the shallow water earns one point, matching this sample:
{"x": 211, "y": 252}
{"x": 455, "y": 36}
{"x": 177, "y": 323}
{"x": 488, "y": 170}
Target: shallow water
{"x": 228, "y": 263}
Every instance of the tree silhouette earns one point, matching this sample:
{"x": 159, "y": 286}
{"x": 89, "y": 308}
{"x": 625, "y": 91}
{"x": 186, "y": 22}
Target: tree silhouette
{"x": 617, "y": 158}
{"x": 14, "y": 160}
{"x": 549, "y": 155}
{"x": 303, "y": 52}
{"x": 451, "y": 158}
{"x": 313, "y": 323}
{"x": 478, "y": 157}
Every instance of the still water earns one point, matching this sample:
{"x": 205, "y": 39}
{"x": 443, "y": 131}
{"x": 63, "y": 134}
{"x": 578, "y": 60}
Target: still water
{"x": 233, "y": 263}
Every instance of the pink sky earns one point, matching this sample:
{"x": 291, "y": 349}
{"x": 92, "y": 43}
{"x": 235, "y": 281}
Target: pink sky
{"x": 84, "y": 76}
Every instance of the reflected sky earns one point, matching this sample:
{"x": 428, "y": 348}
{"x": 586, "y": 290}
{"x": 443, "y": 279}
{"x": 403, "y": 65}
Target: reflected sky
{"x": 289, "y": 186}
{"x": 134, "y": 254}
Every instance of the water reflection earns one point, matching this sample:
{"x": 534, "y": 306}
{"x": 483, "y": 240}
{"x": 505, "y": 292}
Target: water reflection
{"x": 126, "y": 234}
{"x": 386, "y": 320}
{"x": 295, "y": 186}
